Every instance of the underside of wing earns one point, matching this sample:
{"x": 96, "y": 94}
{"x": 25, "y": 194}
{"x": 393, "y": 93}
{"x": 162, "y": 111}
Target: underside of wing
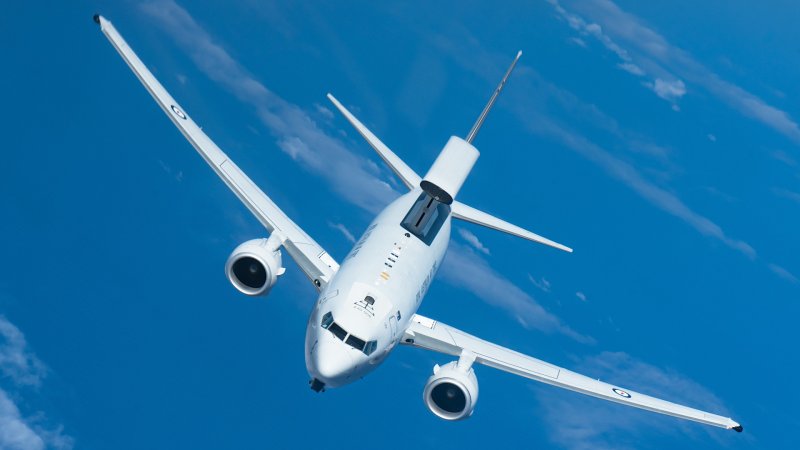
{"x": 318, "y": 266}
{"x": 432, "y": 335}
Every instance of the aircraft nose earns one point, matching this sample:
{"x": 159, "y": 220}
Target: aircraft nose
{"x": 333, "y": 362}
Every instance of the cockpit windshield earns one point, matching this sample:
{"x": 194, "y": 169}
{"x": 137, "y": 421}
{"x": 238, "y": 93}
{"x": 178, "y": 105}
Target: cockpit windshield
{"x": 426, "y": 217}
{"x": 357, "y": 343}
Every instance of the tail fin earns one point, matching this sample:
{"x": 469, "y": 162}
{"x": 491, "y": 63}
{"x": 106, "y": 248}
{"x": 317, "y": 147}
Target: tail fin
{"x": 474, "y": 131}
{"x": 400, "y": 168}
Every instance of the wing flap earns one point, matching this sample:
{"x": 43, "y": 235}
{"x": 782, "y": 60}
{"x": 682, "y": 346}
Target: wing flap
{"x": 432, "y": 335}
{"x": 310, "y": 256}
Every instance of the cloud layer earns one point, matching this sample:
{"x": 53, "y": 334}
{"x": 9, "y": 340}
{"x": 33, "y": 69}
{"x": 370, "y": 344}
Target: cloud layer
{"x": 25, "y": 372}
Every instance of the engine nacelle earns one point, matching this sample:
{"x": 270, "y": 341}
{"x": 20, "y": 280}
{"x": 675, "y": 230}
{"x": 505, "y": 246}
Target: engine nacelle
{"x": 452, "y": 391}
{"x": 254, "y": 267}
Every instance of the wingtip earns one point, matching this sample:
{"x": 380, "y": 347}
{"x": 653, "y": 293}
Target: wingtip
{"x": 738, "y": 428}
{"x": 519, "y": 53}
{"x": 96, "y": 18}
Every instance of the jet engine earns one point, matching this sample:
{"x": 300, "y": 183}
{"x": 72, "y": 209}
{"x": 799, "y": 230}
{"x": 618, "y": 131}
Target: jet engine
{"x": 254, "y": 266}
{"x": 452, "y": 391}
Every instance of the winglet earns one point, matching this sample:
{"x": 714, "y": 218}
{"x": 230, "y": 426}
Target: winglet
{"x": 400, "y": 168}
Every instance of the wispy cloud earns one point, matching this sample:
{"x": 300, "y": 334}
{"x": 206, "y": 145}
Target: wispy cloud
{"x": 543, "y": 284}
{"x": 532, "y": 106}
{"x": 473, "y": 240}
{"x": 343, "y": 229}
{"x": 669, "y": 90}
{"x": 351, "y": 176}
{"x": 581, "y": 296}
{"x": 463, "y": 267}
{"x": 635, "y": 42}
{"x": 17, "y": 362}
{"x": 25, "y": 371}
{"x": 783, "y": 273}
{"x": 297, "y": 134}
{"x": 787, "y": 194}
{"x": 578, "y": 422}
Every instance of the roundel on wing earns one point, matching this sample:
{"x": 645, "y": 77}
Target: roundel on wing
{"x": 178, "y": 111}
{"x": 621, "y": 393}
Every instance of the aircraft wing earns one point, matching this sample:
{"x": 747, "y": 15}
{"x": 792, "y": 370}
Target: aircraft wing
{"x": 313, "y": 260}
{"x": 432, "y": 335}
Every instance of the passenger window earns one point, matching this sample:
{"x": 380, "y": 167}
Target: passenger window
{"x": 337, "y": 331}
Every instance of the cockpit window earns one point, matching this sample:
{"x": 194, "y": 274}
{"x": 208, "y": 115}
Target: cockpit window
{"x": 426, "y": 218}
{"x": 370, "y": 347}
{"x": 337, "y": 331}
{"x": 355, "y": 342}
{"x": 327, "y": 320}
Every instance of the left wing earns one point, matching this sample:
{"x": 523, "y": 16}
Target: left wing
{"x": 315, "y": 262}
{"x": 432, "y": 335}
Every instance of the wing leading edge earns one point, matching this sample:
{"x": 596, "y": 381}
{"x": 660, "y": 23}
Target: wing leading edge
{"x": 313, "y": 260}
{"x": 432, "y": 335}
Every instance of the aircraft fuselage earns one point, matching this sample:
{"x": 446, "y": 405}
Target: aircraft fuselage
{"x": 378, "y": 288}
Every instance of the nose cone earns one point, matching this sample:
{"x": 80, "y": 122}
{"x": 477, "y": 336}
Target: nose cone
{"x": 333, "y": 362}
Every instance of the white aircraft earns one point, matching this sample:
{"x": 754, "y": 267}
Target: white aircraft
{"x": 368, "y": 304}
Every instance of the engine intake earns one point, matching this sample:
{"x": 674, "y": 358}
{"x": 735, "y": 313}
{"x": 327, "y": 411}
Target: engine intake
{"x": 254, "y": 267}
{"x": 452, "y": 391}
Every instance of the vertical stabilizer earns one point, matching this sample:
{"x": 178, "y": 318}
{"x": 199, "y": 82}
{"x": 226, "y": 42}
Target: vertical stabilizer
{"x": 474, "y": 131}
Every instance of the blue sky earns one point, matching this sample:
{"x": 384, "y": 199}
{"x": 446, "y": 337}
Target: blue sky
{"x": 659, "y": 140}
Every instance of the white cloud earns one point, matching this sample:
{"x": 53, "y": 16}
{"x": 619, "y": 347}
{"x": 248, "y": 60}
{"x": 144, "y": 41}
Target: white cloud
{"x": 297, "y": 134}
{"x": 463, "y": 267}
{"x": 712, "y": 137}
{"x": 581, "y": 296}
{"x": 783, "y": 273}
{"x": 658, "y": 57}
{"x": 15, "y": 434}
{"x": 671, "y": 90}
{"x": 343, "y": 229}
{"x": 543, "y": 284}
{"x": 578, "y": 41}
{"x": 579, "y": 422}
{"x": 631, "y": 68}
{"x": 787, "y": 194}
{"x": 472, "y": 240}
{"x": 17, "y": 362}
{"x": 19, "y": 365}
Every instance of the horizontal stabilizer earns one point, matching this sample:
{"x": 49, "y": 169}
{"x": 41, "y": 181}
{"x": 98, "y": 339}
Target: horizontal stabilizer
{"x": 400, "y": 168}
{"x": 470, "y": 214}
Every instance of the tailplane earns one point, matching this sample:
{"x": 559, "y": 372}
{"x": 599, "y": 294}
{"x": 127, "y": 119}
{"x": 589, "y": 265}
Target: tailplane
{"x": 451, "y": 168}
{"x": 400, "y": 168}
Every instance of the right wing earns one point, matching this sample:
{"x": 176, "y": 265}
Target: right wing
{"x": 315, "y": 262}
{"x": 432, "y": 335}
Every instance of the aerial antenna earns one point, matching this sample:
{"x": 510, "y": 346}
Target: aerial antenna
{"x": 474, "y": 131}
